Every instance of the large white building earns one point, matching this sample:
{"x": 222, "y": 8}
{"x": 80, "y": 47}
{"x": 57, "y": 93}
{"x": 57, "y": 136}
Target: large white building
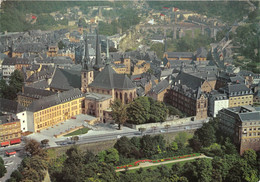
{"x": 217, "y": 101}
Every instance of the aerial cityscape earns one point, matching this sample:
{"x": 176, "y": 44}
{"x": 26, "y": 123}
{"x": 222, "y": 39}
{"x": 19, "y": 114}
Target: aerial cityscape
{"x": 129, "y": 91}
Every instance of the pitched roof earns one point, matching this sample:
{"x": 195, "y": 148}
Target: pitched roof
{"x": 10, "y": 106}
{"x": 249, "y": 116}
{"x": 180, "y": 54}
{"x": 109, "y": 79}
{"x": 237, "y": 89}
{"x": 189, "y": 80}
{"x": 16, "y": 60}
{"x": 56, "y": 99}
{"x": 35, "y": 93}
{"x": 65, "y": 79}
{"x": 201, "y": 52}
{"x": 161, "y": 86}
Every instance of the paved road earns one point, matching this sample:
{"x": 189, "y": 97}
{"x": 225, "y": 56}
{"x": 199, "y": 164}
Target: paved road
{"x": 11, "y": 164}
{"x": 112, "y": 136}
{"x": 148, "y": 164}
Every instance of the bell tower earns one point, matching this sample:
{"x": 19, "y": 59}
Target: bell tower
{"x": 87, "y": 74}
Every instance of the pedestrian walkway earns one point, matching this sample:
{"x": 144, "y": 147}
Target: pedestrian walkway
{"x": 148, "y": 164}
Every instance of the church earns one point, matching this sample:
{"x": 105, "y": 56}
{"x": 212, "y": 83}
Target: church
{"x": 102, "y": 85}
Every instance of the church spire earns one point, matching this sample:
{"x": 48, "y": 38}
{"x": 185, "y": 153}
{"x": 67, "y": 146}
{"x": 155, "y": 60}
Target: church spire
{"x": 86, "y": 59}
{"x": 107, "y": 51}
{"x": 98, "y": 56}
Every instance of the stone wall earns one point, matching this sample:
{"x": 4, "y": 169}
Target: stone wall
{"x": 169, "y": 122}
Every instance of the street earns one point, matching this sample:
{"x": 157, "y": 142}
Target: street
{"x": 11, "y": 164}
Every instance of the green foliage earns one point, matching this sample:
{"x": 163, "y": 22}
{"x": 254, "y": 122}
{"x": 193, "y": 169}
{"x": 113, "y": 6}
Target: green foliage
{"x": 158, "y": 48}
{"x": 151, "y": 146}
{"x": 228, "y": 11}
{"x": 174, "y": 111}
{"x": 126, "y": 148}
{"x": 17, "y": 175}
{"x": 206, "y": 134}
{"x": 250, "y": 156}
{"x": 182, "y": 139}
{"x": 61, "y": 45}
{"x": 109, "y": 156}
{"x": 146, "y": 110}
{"x": 15, "y": 86}
{"x": 174, "y": 146}
{"x": 119, "y": 112}
{"x": 2, "y": 168}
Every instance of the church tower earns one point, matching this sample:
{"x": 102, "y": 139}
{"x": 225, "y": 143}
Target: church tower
{"x": 98, "y": 64}
{"x": 87, "y": 74}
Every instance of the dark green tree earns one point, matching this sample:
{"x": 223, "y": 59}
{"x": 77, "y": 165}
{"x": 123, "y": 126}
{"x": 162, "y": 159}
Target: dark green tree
{"x": 119, "y": 113}
{"x": 2, "y": 168}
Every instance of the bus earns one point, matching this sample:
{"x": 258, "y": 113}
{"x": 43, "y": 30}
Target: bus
{"x": 10, "y": 153}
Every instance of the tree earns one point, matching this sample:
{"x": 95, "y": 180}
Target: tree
{"x": 61, "y": 45}
{"x": 124, "y": 147}
{"x": 182, "y": 139}
{"x": 119, "y": 112}
{"x": 173, "y": 146}
{"x": 142, "y": 130}
{"x": 16, "y": 81}
{"x": 44, "y": 142}
{"x": 2, "y": 168}
{"x": 33, "y": 148}
{"x": 138, "y": 111}
{"x": 110, "y": 156}
{"x": 17, "y": 175}
{"x": 203, "y": 170}
{"x": 206, "y": 134}
{"x": 158, "y": 111}
{"x": 250, "y": 156}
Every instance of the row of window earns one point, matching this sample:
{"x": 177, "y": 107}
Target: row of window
{"x": 251, "y": 129}
{"x": 9, "y": 137}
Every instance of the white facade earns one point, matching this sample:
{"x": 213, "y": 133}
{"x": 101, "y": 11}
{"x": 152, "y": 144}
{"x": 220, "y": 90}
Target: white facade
{"x": 7, "y": 71}
{"x": 26, "y": 120}
{"x": 218, "y": 105}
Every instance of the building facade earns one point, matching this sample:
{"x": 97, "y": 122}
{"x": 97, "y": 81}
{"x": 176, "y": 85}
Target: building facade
{"x": 242, "y": 124}
{"x": 217, "y": 101}
{"x": 51, "y": 110}
{"x": 10, "y": 131}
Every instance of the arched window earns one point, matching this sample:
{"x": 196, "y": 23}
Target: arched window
{"x": 121, "y": 98}
{"x": 126, "y": 98}
{"x": 116, "y": 95}
{"x": 131, "y": 96}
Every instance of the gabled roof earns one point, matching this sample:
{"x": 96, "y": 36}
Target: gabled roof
{"x": 35, "y": 93}
{"x": 161, "y": 86}
{"x": 109, "y": 79}
{"x": 10, "y": 106}
{"x": 236, "y": 89}
{"x": 65, "y": 79}
{"x": 189, "y": 80}
{"x": 179, "y": 54}
{"x": 249, "y": 116}
{"x": 201, "y": 52}
{"x": 56, "y": 99}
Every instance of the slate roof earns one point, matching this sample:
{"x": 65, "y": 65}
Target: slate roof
{"x": 236, "y": 89}
{"x": 180, "y": 54}
{"x": 41, "y": 84}
{"x": 217, "y": 95}
{"x": 161, "y": 86}
{"x": 189, "y": 80}
{"x": 15, "y": 60}
{"x": 96, "y": 96}
{"x": 35, "y": 93}
{"x": 10, "y": 106}
{"x": 30, "y": 47}
{"x": 249, "y": 116}
{"x": 201, "y": 52}
{"x": 109, "y": 79}
{"x": 56, "y": 99}
{"x": 63, "y": 79}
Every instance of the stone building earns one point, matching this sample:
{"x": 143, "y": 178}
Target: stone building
{"x": 29, "y": 94}
{"x": 10, "y": 130}
{"x": 239, "y": 94}
{"x": 159, "y": 91}
{"x": 51, "y": 110}
{"x": 217, "y": 101}
{"x": 242, "y": 124}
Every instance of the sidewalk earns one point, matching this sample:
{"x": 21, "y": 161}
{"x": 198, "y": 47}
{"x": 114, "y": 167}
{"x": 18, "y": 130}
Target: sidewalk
{"x": 148, "y": 164}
